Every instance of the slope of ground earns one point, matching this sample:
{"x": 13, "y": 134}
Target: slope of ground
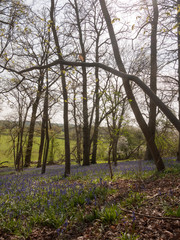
{"x": 123, "y": 208}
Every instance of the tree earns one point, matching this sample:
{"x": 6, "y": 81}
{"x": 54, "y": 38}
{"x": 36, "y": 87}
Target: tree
{"x": 40, "y": 57}
{"x": 86, "y": 127}
{"x": 22, "y": 105}
{"x": 134, "y": 106}
{"x": 46, "y": 124}
{"x": 99, "y": 29}
{"x": 86, "y": 23}
{"x": 65, "y": 95}
{"x": 77, "y": 119}
{"x": 120, "y": 73}
{"x": 115, "y": 104}
{"x": 178, "y": 41}
{"x": 12, "y": 11}
{"x": 33, "y": 120}
{"x": 153, "y": 76}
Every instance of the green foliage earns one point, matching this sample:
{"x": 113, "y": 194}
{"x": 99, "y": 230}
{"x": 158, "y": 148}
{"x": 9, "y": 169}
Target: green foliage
{"x": 128, "y": 236}
{"x": 173, "y": 211}
{"x": 92, "y": 216}
{"x": 134, "y": 199}
{"x": 171, "y": 170}
{"x": 132, "y": 139}
{"x": 110, "y": 214}
{"x": 167, "y": 144}
{"x": 107, "y": 215}
{"x": 102, "y": 146}
{"x": 133, "y": 135}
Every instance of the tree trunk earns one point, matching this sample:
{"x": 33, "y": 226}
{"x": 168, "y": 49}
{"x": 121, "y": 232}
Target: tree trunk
{"x": 65, "y": 95}
{"x": 32, "y": 123}
{"x": 114, "y": 136}
{"x": 41, "y": 146}
{"x": 20, "y": 143}
{"x": 86, "y": 130}
{"x": 46, "y": 145}
{"x": 115, "y": 151}
{"x": 97, "y": 98}
{"x": 153, "y": 76}
{"x": 77, "y": 129}
{"x": 78, "y": 140}
{"x": 178, "y": 33}
{"x": 154, "y": 151}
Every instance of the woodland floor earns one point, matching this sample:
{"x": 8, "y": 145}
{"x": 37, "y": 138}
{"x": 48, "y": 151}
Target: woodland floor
{"x": 146, "y": 220}
{"x": 149, "y": 222}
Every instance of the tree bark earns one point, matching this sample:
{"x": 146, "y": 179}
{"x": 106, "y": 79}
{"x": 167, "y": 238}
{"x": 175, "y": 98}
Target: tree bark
{"x": 86, "y": 128}
{"x": 33, "y": 121}
{"x": 46, "y": 142}
{"x": 65, "y": 95}
{"x": 178, "y": 33}
{"x": 97, "y": 98}
{"x": 116, "y": 136}
{"x": 77, "y": 129}
{"x": 19, "y": 147}
{"x": 153, "y": 76}
{"x": 41, "y": 146}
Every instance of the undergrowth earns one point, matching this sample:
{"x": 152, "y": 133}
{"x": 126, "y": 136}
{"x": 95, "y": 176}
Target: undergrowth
{"x": 26, "y": 202}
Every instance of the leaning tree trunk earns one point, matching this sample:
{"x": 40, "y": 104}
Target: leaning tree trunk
{"x": 153, "y": 76}
{"x": 154, "y": 151}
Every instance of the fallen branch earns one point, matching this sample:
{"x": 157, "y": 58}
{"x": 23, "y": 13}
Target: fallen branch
{"x": 160, "y": 194}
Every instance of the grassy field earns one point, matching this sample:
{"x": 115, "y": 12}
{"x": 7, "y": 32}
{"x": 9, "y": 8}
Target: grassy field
{"x": 6, "y": 153}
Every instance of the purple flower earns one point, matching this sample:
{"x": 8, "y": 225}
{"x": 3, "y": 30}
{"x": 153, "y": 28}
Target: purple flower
{"x": 58, "y": 231}
{"x": 134, "y": 217}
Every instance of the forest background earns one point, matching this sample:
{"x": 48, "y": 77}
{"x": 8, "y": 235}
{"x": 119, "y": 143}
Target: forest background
{"x": 95, "y": 105}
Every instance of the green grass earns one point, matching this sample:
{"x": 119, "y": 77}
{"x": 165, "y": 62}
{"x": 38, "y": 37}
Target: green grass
{"x": 6, "y": 153}
{"x": 5, "y": 150}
